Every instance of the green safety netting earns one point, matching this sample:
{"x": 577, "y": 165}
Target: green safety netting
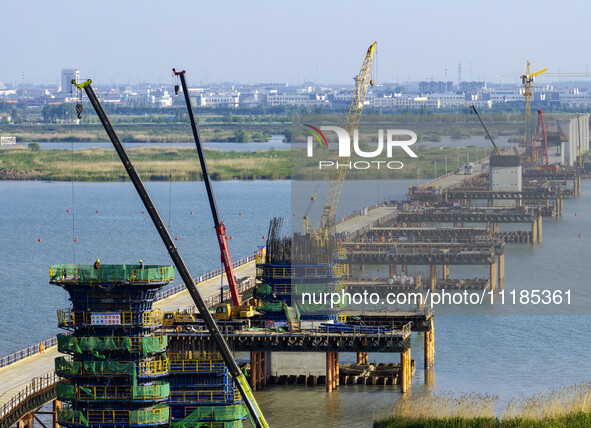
{"x": 309, "y": 288}
{"x": 65, "y": 391}
{"x": 297, "y": 312}
{"x": 71, "y": 416}
{"x": 158, "y": 414}
{"x": 151, "y": 344}
{"x": 287, "y": 311}
{"x": 214, "y": 417}
{"x": 159, "y": 389}
{"x": 310, "y": 307}
{"x": 91, "y": 367}
{"x": 112, "y": 273}
{"x": 271, "y": 306}
{"x": 264, "y": 289}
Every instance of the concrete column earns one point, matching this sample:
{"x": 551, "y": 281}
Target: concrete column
{"x": 534, "y": 232}
{"x": 493, "y": 276}
{"x": 329, "y": 371}
{"x": 433, "y": 277}
{"x": 429, "y": 377}
{"x": 337, "y": 377}
{"x": 501, "y": 271}
{"x": 445, "y": 273}
{"x": 362, "y": 358}
{"x": 495, "y": 227}
{"x": 405, "y": 370}
{"x": 429, "y": 346}
{"x": 540, "y": 228}
{"x": 405, "y": 269}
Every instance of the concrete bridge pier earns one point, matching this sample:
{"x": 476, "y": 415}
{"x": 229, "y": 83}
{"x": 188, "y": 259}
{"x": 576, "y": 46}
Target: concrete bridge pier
{"x": 392, "y": 270}
{"x": 429, "y": 345}
{"x": 433, "y": 277}
{"x": 405, "y": 269}
{"x": 493, "y": 276}
{"x": 445, "y": 272}
{"x": 332, "y": 371}
{"x": 501, "y": 272}
{"x": 362, "y": 358}
{"x": 405, "y": 371}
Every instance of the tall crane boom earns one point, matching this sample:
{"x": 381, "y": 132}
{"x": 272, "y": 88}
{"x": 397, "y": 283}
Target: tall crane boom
{"x": 351, "y": 122}
{"x": 214, "y": 331}
{"x": 497, "y": 151}
{"x": 220, "y": 227}
{"x": 527, "y": 80}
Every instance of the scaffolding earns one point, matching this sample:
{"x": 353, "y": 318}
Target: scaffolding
{"x": 115, "y": 368}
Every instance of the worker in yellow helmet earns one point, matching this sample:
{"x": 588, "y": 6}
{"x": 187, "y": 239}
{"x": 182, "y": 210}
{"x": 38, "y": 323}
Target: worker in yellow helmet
{"x": 141, "y": 264}
{"x": 97, "y": 264}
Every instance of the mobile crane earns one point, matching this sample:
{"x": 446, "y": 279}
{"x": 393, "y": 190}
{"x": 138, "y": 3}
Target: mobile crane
{"x": 214, "y": 331}
{"x": 496, "y": 149}
{"x": 223, "y": 311}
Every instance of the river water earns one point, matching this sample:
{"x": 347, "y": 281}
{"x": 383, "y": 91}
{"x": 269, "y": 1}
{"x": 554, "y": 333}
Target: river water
{"x": 503, "y": 355}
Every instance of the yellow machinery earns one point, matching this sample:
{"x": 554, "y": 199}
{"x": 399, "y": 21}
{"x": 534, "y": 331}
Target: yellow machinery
{"x": 228, "y": 312}
{"x": 527, "y": 79}
{"x": 362, "y": 83}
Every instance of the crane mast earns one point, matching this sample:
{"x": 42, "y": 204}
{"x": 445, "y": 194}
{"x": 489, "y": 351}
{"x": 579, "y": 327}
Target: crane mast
{"x": 527, "y": 80}
{"x": 351, "y": 122}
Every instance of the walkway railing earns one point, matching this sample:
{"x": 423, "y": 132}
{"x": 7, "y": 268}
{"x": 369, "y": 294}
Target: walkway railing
{"x": 36, "y": 386}
{"x": 35, "y": 349}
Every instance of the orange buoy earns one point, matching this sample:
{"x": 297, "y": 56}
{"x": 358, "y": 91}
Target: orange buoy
{"x": 231, "y": 237}
{"x": 294, "y": 214}
{"x": 576, "y": 214}
{"x": 285, "y": 236}
{"x": 263, "y": 236}
{"x": 191, "y": 212}
{"x": 68, "y": 210}
{"x": 580, "y": 236}
{"x": 39, "y": 239}
{"x": 97, "y": 211}
{"x": 143, "y": 212}
{"x": 176, "y": 238}
{"x": 240, "y": 214}
{"x": 75, "y": 239}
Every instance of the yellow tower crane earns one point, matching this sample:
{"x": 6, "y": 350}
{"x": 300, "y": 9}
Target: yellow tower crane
{"x": 527, "y": 79}
{"x": 351, "y": 122}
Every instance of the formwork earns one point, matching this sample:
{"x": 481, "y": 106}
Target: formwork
{"x": 114, "y": 369}
{"x": 292, "y": 267}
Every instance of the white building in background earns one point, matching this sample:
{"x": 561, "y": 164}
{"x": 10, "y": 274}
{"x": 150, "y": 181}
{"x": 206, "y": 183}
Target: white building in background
{"x": 576, "y": 128}
{"x": 296, "y": 99}
{"x": 218, "y": 100}
{"x": 67, "y": 75}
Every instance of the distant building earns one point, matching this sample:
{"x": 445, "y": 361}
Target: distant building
{"x": 67, "y": 75}
{"x": 428, "y": 87}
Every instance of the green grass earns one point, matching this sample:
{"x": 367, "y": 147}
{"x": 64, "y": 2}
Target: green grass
{"x": 182, "y": 164}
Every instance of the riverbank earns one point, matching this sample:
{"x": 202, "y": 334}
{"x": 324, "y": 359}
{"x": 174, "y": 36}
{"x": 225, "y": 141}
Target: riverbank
{"x": 566, "y": 407}
{"x": 181, "y": 164}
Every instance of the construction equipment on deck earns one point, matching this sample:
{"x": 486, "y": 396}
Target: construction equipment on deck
{"x": 527, "y": 80}
{"x": 214, "y": 331}
{"x": 362, "y": 83}
{"x": 220, "y": 227}
{"x": 497, "y": 151}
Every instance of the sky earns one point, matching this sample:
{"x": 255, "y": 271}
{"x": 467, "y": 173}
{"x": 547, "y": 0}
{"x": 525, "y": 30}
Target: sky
{"x": 132, "y": 41}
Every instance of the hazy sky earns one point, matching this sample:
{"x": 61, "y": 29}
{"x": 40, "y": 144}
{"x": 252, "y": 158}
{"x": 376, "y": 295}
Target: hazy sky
{"x": 279, "y": 41}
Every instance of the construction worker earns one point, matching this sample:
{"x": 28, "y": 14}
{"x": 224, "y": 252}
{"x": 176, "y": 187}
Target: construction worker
{"x": 97, "y": 264}
{"x": 141, "y": 264}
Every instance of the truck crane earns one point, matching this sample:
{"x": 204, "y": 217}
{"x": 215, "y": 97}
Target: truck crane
{"x": 223, "y": 311}
{"x": 221, "y": 345}
{"x": 351, "y": 122}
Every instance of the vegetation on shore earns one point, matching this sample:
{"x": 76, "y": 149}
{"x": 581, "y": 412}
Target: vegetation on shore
{"x": 182, "y": 164}
{"x": 567, "y": 407}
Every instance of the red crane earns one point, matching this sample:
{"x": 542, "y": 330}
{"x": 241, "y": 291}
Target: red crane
{"x": 539, "y": 136}
{"x": 220, "y": 227}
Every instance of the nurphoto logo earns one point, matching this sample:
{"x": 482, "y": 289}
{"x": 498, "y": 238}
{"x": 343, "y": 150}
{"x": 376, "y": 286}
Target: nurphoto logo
{"x": 345, "y": 147}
